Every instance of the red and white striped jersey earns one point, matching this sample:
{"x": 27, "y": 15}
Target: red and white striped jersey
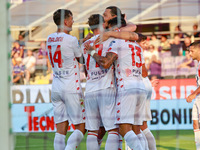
{"x": 98, "y": 78}
{"x": 128, "y": 66}
{"x": 62, "y": 52}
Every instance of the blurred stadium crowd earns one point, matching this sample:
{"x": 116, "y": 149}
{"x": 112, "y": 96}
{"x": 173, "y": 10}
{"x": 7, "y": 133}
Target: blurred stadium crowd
{"x": 166, "y": 58}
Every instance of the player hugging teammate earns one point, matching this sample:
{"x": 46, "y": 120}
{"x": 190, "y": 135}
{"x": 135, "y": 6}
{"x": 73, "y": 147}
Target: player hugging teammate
{"x": 116, "y": 88}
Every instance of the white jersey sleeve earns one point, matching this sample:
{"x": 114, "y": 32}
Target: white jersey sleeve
{"x": 76, "y": 47}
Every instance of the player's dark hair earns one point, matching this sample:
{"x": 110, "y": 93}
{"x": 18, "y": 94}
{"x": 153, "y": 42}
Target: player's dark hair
{"x": 141, "y": 37}
{"x": 195, "y": 44}
{"x": 114, "y": 22}
{"x": 94, "y": 21}
{"x": 165, "y": 36}
{"x": 115, "y": 11}
{"x": 61, "y": 14}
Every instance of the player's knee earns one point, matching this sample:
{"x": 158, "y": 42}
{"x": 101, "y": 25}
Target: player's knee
{"x": 144, "y": 126}
{"x": 136, "y": 129}
{"x": 81, "y": 127}
{"x": 124, "y": 128}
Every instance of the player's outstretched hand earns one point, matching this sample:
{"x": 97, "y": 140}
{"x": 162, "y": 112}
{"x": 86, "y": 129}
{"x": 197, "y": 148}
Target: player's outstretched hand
{"x": 155, "y": 82}
{"x": 190, "y": 98}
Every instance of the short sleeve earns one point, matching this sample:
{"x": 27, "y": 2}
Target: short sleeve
{"x": 76, "y": 47}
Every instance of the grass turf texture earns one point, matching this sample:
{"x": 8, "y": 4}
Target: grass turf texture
{"x": 165, "y": 140}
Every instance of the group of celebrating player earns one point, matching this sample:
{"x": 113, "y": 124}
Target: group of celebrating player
{"x": 117, "y": 92}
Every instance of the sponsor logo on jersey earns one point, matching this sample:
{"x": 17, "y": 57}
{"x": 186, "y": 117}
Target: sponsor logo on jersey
{"x": 128, "y": 72}
{"x": 132, "y": 72}
{"x": 96, "y": 75}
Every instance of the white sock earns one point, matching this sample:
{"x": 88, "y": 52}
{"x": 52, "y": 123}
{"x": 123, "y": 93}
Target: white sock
{"x": 120, "y": 142}
{"x": 74, "y": 140}
{"x": 132, "y": 141}
{"x": 197, "y": 138}
{"x": 140, "y": 137}
{"x": 145, "y": 140}
{"x": 59, "y": 141}
{"x": 92, "y": 142}
{"x": 150, "y": 139}
{"x": 112, "y": 141}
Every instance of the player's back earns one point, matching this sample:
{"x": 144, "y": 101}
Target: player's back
{"x": 62, "y": 52}
{"x": 98, "y": 77}
{"x": 128, "y": 67}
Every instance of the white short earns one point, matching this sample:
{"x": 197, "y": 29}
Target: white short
{"x": 100, "y": 106}
{"x": 130, "y": 107}
{"x": 68, "y": 106}
{"x": 196, "y": 110}
{"x": 148, "y": 87}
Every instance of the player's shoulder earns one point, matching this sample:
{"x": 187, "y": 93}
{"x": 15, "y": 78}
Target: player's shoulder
{"x": 50, "y": 36}
{"x": 91, "y": 40}
{"x": 69, "y": 37}
{"x": 113, "y": 41}
{"x": 63, "y": 35}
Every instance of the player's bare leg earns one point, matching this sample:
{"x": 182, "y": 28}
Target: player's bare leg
{"x": 100, "y": 136}
{"x": 196, "y": 133}
{"x": 149, "y": 136}
{"x": 136, "y": 129}
{"x": 59, "y": 140}
{"x": 81, "y": 127}
{"x": 92, "y": 142}
{"x": 76, "y": 137}
{"x": 129, "y": 136}
{"x": 144, "y": 126}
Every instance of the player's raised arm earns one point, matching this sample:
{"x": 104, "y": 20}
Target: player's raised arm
{"x": 119, "y": 34}
{"x": 126, "y": 35}
{"x": 129, "y": 27}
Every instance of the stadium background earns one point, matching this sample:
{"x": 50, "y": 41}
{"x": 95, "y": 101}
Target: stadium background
{"x": 28, "y": 122}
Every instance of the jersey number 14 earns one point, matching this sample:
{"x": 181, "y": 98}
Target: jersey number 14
{"x": 57, "y": 57}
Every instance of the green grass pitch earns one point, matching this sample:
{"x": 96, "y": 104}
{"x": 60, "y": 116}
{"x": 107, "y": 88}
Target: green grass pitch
{"x": 165, "y": 140}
